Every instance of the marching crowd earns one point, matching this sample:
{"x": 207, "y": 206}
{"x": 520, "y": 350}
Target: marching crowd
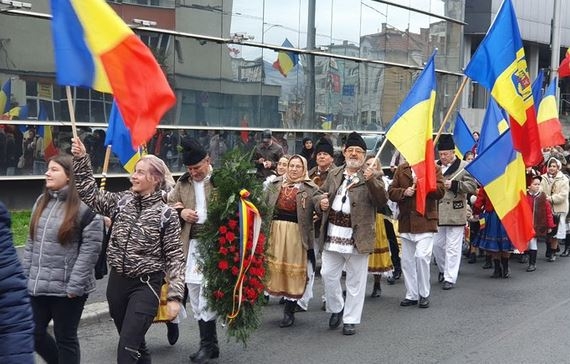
{"x": 341, "y": 209}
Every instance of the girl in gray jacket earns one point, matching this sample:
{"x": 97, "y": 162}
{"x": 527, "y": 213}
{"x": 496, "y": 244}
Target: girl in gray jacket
{"x": 60, "y": 254}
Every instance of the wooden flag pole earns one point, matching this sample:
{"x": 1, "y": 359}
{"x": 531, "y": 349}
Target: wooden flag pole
{"x": 71, "y": 111}
{"x": 450, "y": 110}
{"x": 381, "y": 147}
{"x": 105, "y": 168}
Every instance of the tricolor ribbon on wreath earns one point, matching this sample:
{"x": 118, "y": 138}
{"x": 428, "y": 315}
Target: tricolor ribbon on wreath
{"x": 249, "y": 219}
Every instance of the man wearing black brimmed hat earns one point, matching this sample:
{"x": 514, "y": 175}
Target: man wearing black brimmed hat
{"x": 266, "y": 155}
{"x": 448, "y": 240}
{"x": 352, "y": 196}
{"x": 189, "y": 198}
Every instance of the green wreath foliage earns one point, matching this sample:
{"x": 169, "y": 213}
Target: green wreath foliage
{"x": 219, "y": 246}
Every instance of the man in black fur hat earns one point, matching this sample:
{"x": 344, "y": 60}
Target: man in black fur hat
{"x": 189, "y": 198}
{"x": 448, "y": 240}
{"x": 352, "y": 196}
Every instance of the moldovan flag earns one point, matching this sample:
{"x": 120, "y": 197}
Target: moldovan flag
{"x": 462, "y": 137}
{"x": 5, "y": 96}
{"x": 95, "y": 48}
{"x": 501, "y": 171}
{"x": 549, "y": 127}
{"x": 537, "y": 89}
{"x": 564, "y": 68}
{"x": 119, "y": 138}
{"x": 286, "y": 61}
{"x": 411, "y": 132}
{"x": 499, "y": 65}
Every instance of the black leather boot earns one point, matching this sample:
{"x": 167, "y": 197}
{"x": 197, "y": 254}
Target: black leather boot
{"x": 488, "y": 262}
{"x": 208, "y": 344}
{"x": 472, "y": 258}
{"x": 566, "y": 251}
{"x": 172, "y": 332}
{"x": 531, "y": 261}
{"x": 288, "y": 314}
{"x": 376, "y": 290}
{"x": 498, "y": 272}
{"x": 506, "y": 270}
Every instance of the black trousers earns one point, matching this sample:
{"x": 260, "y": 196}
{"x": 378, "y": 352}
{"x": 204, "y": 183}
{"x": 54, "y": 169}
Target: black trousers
{"x": 66, "y": 313}
{"x": 133, "y": 305}
{"x": 394, "y": 248}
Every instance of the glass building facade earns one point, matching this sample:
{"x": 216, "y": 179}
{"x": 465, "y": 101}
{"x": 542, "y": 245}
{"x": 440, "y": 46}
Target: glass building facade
{"x": 355, "y": 62}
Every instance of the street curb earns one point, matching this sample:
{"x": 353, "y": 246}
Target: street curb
{"x": 95, "y": 313}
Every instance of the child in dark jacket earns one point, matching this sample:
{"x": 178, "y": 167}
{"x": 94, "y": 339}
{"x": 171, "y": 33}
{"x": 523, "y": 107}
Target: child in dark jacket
{"x": 542, "y": 216}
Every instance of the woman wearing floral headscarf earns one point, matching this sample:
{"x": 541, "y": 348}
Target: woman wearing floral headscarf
{"x": 291, "y": 234}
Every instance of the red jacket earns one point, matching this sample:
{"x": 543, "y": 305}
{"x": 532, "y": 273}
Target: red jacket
{"x": 541, "y": 212}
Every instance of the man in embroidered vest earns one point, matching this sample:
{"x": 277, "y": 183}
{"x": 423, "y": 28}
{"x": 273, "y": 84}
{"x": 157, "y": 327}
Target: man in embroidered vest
{"x": 352, "y": 196}
{"x": 452, "y": 212}
{"x": 190, "y": 197}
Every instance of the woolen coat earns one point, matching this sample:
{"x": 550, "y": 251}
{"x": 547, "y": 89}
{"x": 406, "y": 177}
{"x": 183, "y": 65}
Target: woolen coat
{"x": 365, "y": 198}
{"x": 409, "y": 220}
{"x": 305, "y": 207}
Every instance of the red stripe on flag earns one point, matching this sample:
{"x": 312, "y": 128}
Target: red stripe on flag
{"x": 425, "y": 177}
{"x": 550, "y": 132}
{"x": 526, "y": 139}
{"x": 141, "y": 90}
{"x": 518, "y": 224}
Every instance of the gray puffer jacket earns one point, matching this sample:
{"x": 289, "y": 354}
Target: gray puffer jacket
{"x": 58, "y": 270}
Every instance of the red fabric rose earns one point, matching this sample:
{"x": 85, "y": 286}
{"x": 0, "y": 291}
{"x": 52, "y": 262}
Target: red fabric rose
{"x": 223, "y": 229}
{"x": 222, "y": 240}
{"x": 223, "y": 251}
{"x": 218, "y": 294}
{"x": 223, "y": 265}
{"x": 230, "y": 236}
{"x": 235, "y": 270}
{"x": 232, "y": 224}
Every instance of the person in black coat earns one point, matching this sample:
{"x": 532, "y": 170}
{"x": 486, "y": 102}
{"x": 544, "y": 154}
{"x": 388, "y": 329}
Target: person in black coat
{"x": 16, "y": 320}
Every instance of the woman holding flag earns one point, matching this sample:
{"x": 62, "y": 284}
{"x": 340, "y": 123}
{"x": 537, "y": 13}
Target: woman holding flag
{"x": 144, "y": 246}
{"x": 291, "y": 235}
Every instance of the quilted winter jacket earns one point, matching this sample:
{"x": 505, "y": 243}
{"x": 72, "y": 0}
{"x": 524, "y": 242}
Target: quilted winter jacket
{"x": 135, "y": 247}
{"x": 17, "y": 321}
{"x": 54, "y": 269}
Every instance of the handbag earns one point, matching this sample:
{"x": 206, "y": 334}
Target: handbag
{"x": 162, "y": 312}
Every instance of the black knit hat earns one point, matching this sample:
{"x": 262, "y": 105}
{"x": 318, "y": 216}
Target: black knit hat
{"x": 355, "y": 140}
{"x": 445, "y": 142}
{"x": 324, "y": 146}
{"x": 192, "y": 153}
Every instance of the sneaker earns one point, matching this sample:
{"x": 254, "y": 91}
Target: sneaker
{"x": 424, "y": 302}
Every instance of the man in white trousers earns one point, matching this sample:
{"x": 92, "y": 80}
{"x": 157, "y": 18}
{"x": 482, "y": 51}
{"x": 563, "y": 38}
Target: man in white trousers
{"x": 448, "y": 240}
{"x": 416, "y": 232}
{"x": 352, "y": 196}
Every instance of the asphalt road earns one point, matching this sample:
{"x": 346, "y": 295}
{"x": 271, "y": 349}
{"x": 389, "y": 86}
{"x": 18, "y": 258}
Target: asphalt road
{"x": 523, "y": 319}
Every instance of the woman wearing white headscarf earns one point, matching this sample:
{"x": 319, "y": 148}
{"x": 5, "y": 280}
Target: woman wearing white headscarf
{"x": 292, "y": 234}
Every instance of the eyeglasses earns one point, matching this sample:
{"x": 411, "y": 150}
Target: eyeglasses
{"x": 354, "y": 150}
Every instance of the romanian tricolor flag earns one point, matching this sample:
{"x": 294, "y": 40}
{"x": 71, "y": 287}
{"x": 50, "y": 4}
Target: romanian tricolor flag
{"x": 499, "y": 65}
{"x": 494, "y": 124}
{"x": 44, "y": 131}
{"x": 501, "y": 171}
{"x": 462, "y": 137}
{"x": 5, "y": 96}
{"x": 95, "y": 48}
{"x": 564, "y": 68}
{"x": 119, "y": 138}
{"x": 411, "y": 132}
{"x": 286, "y": 61}
{"x": 549, "y": 127}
